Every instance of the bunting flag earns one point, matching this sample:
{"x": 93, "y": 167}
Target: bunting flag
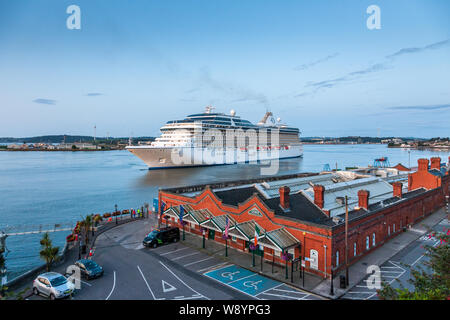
{"x": 227, "y": 227}
{"x": 181, "y": 213}
{"x": 256, "y": 235}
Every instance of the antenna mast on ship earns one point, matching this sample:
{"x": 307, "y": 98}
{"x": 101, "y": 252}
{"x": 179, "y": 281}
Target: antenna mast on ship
{"x": 208, "y": 109}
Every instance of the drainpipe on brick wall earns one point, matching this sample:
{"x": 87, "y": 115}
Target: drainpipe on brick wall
{"x": 446, "y": 208}
{"x": 325, "y": 266}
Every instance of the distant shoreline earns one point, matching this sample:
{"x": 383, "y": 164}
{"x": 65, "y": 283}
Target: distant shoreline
{"x": 62, "y": 150}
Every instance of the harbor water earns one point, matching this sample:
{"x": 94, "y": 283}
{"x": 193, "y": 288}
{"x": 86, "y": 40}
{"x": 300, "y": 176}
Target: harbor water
{"x": 47, "y": 188}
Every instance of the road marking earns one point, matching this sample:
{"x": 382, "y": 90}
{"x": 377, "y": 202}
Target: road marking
{"x": 299, "y": 292}
{"x": 423, "y": 255}
{"x": 269, "y": 289}
{"x": 195, "y": 262}
{"x": 88, "y": 284}
{"x": 163, "y": 254}
{"x": 181, "y": 280}
{"x": 214, "y": 266}
{"x": 154, "y": 298}
{"x": 190, "y": 298}
{"x": 186, "y": 255}
{"x": 114, "y": 286}
{"x": 167, "y": 287}
{"x": 252, "y": 275}
{"x": 282, "y": 296}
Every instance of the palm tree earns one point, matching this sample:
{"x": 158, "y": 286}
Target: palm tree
{"x": 48, "y": 252}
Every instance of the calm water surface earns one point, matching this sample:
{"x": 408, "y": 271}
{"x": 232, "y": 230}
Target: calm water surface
{"x": 57, "y": 187}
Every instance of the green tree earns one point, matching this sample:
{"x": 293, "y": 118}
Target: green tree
{"x": 86, "y": 225}
{"x": 428, "y": 285}
{"x": 48, "y": 253}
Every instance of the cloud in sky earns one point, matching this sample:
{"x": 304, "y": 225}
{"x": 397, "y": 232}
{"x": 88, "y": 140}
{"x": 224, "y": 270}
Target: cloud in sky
{"x": 45, "y": 101}
{"x": 311, "y": 64}
{"x": 433, "y": 46}
{"x": 377, "y": 67}
{"x": 428, "y": 107}
{"x": 94, "y": 94}
{"x": 351, "y": 76}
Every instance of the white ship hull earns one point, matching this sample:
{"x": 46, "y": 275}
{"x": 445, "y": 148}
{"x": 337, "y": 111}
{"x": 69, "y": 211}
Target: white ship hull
{"x": 180, "y": 157}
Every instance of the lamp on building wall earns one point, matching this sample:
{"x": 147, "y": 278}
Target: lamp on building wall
{"x": 166, "y": 217}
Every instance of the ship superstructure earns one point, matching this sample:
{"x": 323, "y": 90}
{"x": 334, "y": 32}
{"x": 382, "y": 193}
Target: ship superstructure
{"x": 211, "y": 138}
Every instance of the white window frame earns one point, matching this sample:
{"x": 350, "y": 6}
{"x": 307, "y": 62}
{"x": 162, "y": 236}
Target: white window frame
{"x": 337, "y": 258}
{"x": 367, "y": 243}
{"x": 354, "y": 249}
{"x": 373, "y": 239}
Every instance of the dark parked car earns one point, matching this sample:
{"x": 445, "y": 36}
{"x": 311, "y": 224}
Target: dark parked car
{"x": 161, "y": 236}
{"x": 89, "y": 269}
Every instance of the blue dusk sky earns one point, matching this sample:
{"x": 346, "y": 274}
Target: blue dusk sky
{"x": 136, "y": 64}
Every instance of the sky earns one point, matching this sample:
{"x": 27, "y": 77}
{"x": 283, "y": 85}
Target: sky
{"x": 134, "y": 65}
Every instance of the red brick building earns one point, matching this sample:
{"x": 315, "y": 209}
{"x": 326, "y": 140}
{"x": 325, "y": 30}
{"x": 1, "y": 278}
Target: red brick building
{"x": 304, "y": 214}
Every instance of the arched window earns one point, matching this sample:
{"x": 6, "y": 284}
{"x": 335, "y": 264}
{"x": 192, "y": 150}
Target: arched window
{"x": 337, "y": 258}
{"x": 393, "y": 228}
{"x": 354, "y": 249}
{"x": 389, "y": 230}
{"x": 367, "y": 243}
{"x": 373, "y": 239}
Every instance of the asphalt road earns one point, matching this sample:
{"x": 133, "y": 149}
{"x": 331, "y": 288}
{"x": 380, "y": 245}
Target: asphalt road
{"x": 395, "y": 271}
{"x": 169, "y": 272}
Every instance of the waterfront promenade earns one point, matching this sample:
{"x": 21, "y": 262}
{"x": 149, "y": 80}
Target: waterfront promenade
{"x": 135, "y": 272}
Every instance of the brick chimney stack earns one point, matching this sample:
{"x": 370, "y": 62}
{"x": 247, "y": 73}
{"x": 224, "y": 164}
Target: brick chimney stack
{"x": 284, "y": 197}
{"x": 436, "y": 163}
{"x": 397, "y": 189}
{"x": 363, "y": 199}
{"x": 319, "y": 191}
{"x": 423, "y": 164}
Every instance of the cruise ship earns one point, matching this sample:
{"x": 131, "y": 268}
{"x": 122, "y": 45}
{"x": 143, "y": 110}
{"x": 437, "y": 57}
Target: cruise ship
{"x": 210, "y": 138}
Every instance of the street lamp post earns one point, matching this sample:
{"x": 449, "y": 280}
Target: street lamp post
{"x": 252, "y": 248}
{"x": 261, "y": 248}
{"x": 346, "y": 241}
{"x": 203, "y": 233}
{"x": 115, "y": 213}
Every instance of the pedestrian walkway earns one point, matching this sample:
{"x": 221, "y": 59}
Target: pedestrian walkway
{"x": 358, "y": 271}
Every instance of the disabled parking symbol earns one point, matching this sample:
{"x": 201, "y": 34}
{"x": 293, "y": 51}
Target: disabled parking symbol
{"x": 252, "y": 284}
{"x": 229, "y": 275}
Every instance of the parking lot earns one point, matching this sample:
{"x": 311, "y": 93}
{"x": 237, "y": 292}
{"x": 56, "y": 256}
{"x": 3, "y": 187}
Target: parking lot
{"x": 395, "y": 271}
{"x": 251, "y": 284}
{"x": 173, "y": 271}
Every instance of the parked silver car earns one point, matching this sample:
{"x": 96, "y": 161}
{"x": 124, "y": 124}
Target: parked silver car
{"x": 53, "y": 285}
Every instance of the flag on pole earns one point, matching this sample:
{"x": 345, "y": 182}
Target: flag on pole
{"x": 256, "y": 235}
{"x": 181, "y": 213}
{"x": 227, "y": 227}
